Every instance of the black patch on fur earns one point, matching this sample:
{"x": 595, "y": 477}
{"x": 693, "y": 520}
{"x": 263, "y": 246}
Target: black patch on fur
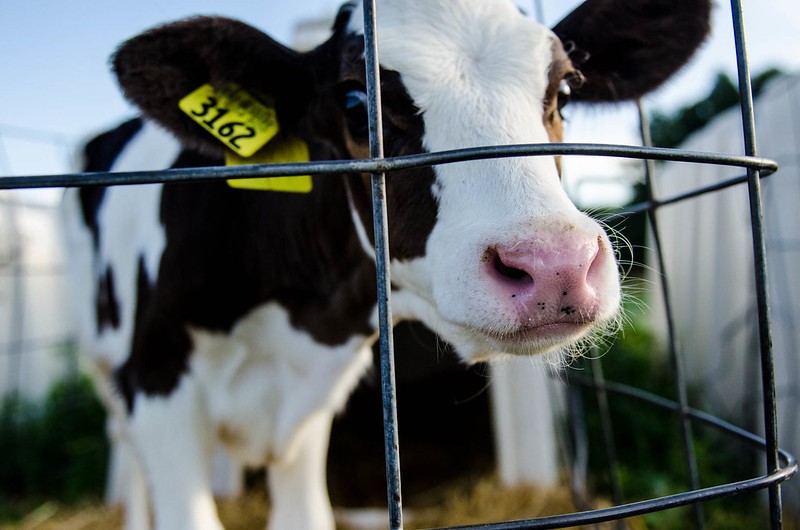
{"x": 229, "y": 251}
{"x": 411, "y": 207}
{"x": 144, "y": 291}
{"x": 99, "y": 155}
{"x": 106, "y": 303}
{"x": 626, "y": 49}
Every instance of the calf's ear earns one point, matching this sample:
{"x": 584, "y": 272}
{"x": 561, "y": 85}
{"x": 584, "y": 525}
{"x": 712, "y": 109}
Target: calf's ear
{"x": 626, "y": 48}
{"x": 159, "y": 67}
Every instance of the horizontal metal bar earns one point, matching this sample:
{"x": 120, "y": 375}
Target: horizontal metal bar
{"x": 662, "y": 402}
{"x": 384, "y": 165}
{"x": 644, "y": 206}
{"x": 639, "y": 508}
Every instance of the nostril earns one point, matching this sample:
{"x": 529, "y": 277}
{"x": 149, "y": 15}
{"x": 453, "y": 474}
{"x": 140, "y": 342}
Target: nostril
{"x": 511, "y": 273}
{"x": 596, "y": 265}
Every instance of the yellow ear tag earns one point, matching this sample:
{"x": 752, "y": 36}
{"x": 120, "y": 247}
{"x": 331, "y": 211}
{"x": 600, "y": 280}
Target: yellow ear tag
{"x": 280, "y": 151}
{"x": 233, "y": 116}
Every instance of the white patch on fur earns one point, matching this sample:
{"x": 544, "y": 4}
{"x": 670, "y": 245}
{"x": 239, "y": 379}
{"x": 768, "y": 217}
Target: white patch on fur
{"x": 266, "y": 378}
{"x": 361, "y": 230}
{"x": 270, "y": 392}
{"x": 83, "y": 279}
{"x": 174, "y": 439}
{"x": 298, "y": 487}
{"x": 130, "y": 227}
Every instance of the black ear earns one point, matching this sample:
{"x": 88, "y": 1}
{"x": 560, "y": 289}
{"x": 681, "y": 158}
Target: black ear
{"x": 159, "y": 67}
{"x": 626, "y": 48}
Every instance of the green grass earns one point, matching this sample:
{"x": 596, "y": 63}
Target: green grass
{"x": 54, "y": 450}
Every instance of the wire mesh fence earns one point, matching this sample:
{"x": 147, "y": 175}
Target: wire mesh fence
{"x": 779, "y": 464}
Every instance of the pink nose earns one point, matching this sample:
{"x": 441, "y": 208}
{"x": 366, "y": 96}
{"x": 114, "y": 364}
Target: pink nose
{"x": 550, "y": 281}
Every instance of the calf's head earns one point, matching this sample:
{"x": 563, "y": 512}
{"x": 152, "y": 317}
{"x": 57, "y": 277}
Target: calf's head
{"x": 493, "y": 249}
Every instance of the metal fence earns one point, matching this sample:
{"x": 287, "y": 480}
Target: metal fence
{"x": 780, "y": 465}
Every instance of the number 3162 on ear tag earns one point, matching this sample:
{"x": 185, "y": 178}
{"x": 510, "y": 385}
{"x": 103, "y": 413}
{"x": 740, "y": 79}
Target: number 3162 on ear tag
{"x": 233, "y": 116}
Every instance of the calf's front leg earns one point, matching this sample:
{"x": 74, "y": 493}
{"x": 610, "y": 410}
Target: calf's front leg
{"x": 298, "y": 486}
{"x": 173, "y": 437}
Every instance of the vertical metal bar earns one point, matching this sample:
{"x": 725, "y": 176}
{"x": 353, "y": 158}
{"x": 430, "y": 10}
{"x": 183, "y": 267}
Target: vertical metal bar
{"x": 676, "y": 361}
{"x": 580, "y": 453}
{"x": 603, "y": 409}
{"x": 760, "y": 264}
{"x": 379, "y": 217}
{"x": 607, "y": 427}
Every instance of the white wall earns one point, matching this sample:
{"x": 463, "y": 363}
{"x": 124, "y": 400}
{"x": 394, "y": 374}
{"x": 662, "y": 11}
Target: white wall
{"x": 34, "y": 327}
{"x": 709, "y": 261}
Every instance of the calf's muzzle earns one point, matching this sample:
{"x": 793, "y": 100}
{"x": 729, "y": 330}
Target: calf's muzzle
{"x": 550, "y": 281}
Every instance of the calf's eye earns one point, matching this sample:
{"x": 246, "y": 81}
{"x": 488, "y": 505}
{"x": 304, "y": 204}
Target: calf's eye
{"x": 354, "y": 106}
{"x": 571, "y": 82}
{"x": 564, "y": 93}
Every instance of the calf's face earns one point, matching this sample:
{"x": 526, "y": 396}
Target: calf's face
{"x": 493, "y": 249}
{"x": 509, "y": 263}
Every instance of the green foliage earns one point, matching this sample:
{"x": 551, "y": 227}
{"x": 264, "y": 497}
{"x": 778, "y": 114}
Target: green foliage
{"x": 672, "y": 130}
{"x": 56, "y": 449}
{"x": 649, "y": 443}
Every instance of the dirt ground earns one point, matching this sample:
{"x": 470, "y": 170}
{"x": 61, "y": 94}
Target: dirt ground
{"x": 482, "y": 502}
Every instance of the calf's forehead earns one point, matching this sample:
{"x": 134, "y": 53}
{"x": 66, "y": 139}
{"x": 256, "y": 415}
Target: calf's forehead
{"x": 478, "y": 54}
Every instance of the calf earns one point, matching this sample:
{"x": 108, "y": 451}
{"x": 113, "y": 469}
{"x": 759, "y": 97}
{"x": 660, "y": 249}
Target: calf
{"x": 221, "y": 314}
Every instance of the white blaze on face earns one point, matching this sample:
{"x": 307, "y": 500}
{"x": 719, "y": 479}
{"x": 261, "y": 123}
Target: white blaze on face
{"x": 478, "y": 71}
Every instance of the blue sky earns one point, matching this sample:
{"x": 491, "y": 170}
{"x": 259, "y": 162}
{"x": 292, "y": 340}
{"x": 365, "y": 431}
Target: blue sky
{"x": 56, "y": 79}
